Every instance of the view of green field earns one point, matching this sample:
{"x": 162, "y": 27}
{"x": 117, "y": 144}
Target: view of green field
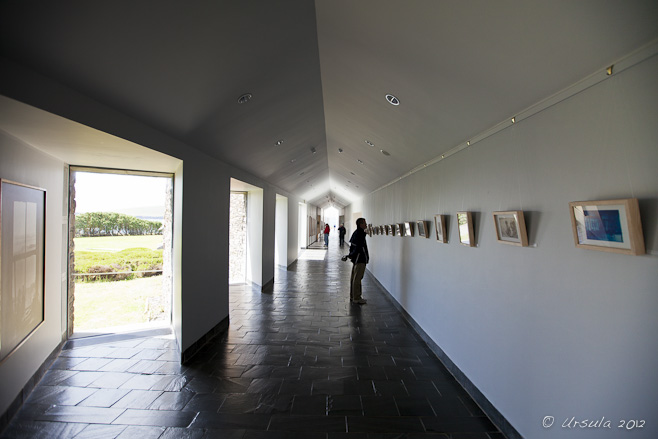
{"x": 116, "y": 243}
{"x": 116, "y": 303}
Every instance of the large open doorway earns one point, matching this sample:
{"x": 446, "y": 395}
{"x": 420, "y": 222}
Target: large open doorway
{"x": 120, "y": 233}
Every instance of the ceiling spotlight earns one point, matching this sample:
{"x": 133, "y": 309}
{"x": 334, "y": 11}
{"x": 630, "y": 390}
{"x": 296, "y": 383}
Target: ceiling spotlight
{"x": 313, "y": 150}
{"x": 513, "y": 119}
{"x": 340, "y": 150}
{"x": 360, "y": 161}
{"x": 293, "y": 160}
{"x": 468, "y": 143}
{"x": 279, "y": 142}
{"x": 244, "y": 98}
{"x": 392, "y": 100}
{"x": 369, "y": 143}
{"x": 386, "y": 153}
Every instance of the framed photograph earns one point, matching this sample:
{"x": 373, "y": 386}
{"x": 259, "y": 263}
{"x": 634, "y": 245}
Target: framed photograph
{"x": 608, "y": 225}
{"x": 423, "y": 228}
{"x": 369, "y": 230}
{"x": 465, "y": 227}
{"x": 400, "y": 229}
{"x": 440, "y": 228}
{"x": 408, "y": 229}
{"x": 393, "y": 229}
{"x": 387, "y": 229}
{"x": 510, "y": 227}
{"x": 22, "y": 247}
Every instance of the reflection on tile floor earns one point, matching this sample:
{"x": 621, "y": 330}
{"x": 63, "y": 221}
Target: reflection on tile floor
{"x": 300, "y": 362}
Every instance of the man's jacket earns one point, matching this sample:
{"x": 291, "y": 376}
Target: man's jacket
{"x": 358, "y": 247}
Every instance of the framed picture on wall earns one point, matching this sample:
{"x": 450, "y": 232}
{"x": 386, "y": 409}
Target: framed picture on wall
{"x": 369, "y": 230}
{"x": 423, "y": 228}
{"x": 465, "y": 227}
{"x": 510, "y": 227}
{"x": 387, "y": 229}
{"x": 408, "y": 228}
{"x": 608, "y": 225}
{"x": 440, "y": 228}
{"x": 22, "y": 247}
{"x": 400, "y": 229}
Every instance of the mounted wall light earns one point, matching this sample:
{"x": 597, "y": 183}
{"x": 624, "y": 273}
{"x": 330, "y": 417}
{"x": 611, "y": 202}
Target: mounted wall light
{"x": 514, "y": 120}
{"x": 608, "y": 71}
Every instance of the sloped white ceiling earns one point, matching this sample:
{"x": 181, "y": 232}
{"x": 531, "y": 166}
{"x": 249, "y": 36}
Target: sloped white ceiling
{"x": 318, "y": 73}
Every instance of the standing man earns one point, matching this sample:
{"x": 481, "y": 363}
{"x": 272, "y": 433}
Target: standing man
{"x": 326, "y": 235}
{"x": 359, "y": 257}
{"x": 341, "y": 234}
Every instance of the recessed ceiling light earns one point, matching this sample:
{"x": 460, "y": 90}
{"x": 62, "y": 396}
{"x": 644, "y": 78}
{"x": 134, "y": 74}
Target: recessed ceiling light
{"x": 360, "y": 161}
{"x": 386, "y": 153}
{"x": 279, "y": 142}
{"x": 392, "y": 100}
{"x": 313, "y": 150}
{"x": 369, "y": 143}
{"x": 244, "y": 98}
{"x": 293, "y": 160}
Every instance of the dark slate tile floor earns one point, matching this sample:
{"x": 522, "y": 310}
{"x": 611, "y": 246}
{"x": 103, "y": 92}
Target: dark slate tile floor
{"x": 300, "y": 362}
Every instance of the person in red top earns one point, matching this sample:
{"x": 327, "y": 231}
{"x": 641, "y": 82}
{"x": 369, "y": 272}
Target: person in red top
{"x": 326, "y": 235}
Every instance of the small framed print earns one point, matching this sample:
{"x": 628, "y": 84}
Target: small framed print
{"x": 408, "y": 229}
{"x": 369, "y": 230}
{"x": 465, "y": 227}
{"x": 440, "y": 228}
{"x": 608, "y": 225}
{"x": 393, "y": 229}
{"x": 381, "y": 229}
{"x": 423, "y": 228}
{"x": 510, "y": 228}
{"x": 387, "y": 229}
{"x": 400, "y": 229}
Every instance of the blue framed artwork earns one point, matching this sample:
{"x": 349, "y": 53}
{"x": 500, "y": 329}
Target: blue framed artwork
{"x": 608, "y": 225}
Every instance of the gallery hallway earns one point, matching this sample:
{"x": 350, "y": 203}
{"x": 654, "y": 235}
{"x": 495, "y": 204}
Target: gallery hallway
{"x": 300, "y": 362}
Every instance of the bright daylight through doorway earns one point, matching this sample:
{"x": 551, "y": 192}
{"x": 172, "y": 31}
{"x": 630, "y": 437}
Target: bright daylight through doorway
{"x": 121, "y": 277}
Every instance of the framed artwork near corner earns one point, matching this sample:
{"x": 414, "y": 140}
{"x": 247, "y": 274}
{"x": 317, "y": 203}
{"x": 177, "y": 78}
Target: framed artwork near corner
{"x": 22, "y": 250}
{"x": 440, "y": 228}
{"x": 465, "y": 228}
{"x": 608, "y": 225}
{"x": 408, "y": 228}
{"x": 423, "y": 228}
{"x": 510, "y": 228}
{"x": 400, "y": 229}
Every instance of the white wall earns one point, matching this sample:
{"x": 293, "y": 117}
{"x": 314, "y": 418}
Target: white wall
{"x": 281, "y": 231}
{"x": 255, "y": 236}
{"x": 547, "y": 330}
{"x": 49, "y": 174}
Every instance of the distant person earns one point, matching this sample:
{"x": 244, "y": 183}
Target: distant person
{"x": 327, "y": 229}
{"x": 359, "y": 257}
{"x": 341, "y": 234}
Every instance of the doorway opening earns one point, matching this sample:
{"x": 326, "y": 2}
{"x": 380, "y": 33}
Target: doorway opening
{"x": 120, "y": 251}
{"x": 237, "y": 242}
